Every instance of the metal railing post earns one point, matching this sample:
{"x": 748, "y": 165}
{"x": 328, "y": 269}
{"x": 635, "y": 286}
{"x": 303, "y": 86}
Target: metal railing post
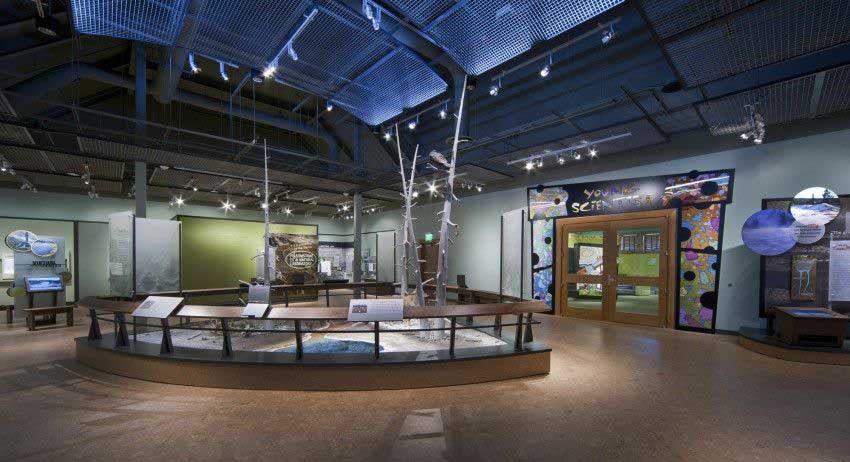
{"x": 166, "y": 347}
{"x": 518, "y": 339}
{"x": 299, "y": 348}
{"x": 377, "y": 340}
{"x": 122, "y": 339}
{"x": 226, "y": 345}
{"x": 94, "y": 330}
{"x": 452, "y": 337}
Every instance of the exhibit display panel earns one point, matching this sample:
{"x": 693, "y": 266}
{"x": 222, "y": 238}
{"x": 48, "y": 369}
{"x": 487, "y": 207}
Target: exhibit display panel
{"x": 8, "y": 256}
{"x": 811, "y": 271}
{"x": 157, "y": 256}
{"x": 387, "y": 254}
{"x": 121, "y": 256}
{"x": 513, "y": 230}
{"x": 220, "y": 252}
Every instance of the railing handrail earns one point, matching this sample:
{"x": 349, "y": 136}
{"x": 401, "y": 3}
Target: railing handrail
{"x": 324, "y": 313}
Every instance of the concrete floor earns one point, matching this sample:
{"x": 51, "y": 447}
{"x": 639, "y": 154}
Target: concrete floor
{"x": 615, "y": 392}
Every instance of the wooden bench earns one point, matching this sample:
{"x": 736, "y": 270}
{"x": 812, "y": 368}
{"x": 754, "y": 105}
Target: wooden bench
{"x": 9, "y": 309}
{"x": 31, "y": 313}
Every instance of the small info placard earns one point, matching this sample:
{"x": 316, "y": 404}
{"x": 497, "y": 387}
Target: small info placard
{"x": 157, "y": 307}
{"x": 387, "y": 309}
{"x": 255, "y": 310}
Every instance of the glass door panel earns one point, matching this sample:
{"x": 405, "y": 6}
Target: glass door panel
{"x": 637, "y": 299}
{"x": 641, "y": 268}
{"x": 586, "y": 252}
{"x": 639, "y": 251}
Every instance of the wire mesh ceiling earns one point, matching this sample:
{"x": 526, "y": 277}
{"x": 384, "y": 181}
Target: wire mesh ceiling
{"x": 810, "y": 96}
{"x": 708, "y": 40}
{"x": 481, "y": 34}
{"x": 153, "y": 21}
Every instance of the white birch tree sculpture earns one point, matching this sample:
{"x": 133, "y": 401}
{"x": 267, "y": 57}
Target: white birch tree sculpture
{"x": 445, "y": 221}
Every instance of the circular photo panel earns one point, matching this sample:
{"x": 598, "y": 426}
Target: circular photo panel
{"x": 808, "y": 234}
{"x": 44, "y": 248}
{"x": 769, "y": 232}
{"x": 815, "y": 206}
{"x": 21, "y": 240}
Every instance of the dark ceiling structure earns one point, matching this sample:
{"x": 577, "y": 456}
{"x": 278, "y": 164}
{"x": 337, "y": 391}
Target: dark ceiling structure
{"x": 329, "y": 85}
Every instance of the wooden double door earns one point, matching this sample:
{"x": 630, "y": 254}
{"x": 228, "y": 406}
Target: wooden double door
{"x": 617, "y": 267}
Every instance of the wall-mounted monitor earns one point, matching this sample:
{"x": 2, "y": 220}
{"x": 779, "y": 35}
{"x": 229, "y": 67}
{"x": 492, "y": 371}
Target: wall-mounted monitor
{"x": 44, "y": 284}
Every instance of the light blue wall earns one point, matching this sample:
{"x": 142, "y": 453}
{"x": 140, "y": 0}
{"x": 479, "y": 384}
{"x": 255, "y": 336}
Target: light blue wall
{"x": 772, "y": 170}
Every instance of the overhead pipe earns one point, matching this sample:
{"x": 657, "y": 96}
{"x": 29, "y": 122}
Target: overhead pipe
{"x": 171, "y": 69}
{"x": 62, "y": 75}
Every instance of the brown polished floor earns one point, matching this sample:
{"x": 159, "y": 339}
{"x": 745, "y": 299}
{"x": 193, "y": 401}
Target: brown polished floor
{"x": 615, "y": 393}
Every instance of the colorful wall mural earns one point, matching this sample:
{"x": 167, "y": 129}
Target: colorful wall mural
{"x": 700, "y": 198}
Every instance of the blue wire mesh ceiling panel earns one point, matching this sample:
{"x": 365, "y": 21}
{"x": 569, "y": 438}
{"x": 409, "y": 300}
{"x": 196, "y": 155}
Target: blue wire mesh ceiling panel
{"x": 400, "y": 80}
{"x": 764, "y": 33}
{"x": 422, "y": 12}
{"x": 835, "y": 95}
{"x": 152, "y": 21}
{"x": 333, "y": 49}
{"x": 248, "y": 32}
{"x": 481, "y": 34}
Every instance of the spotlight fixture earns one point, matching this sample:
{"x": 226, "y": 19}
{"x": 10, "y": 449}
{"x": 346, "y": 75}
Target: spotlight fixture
{"x": 388, "y": 136}
{"x": 228, "y": 206}
{"x": 256, "y": 76}
{"x": 576, "y": 155}
{"x": 269, "y": 71}
{"x": 432, "y": 188}
{"x": 291, "y": 52}
{"x": 287, "y": 211}
{"x": 561, "y": 160}
{"x": 192, "y": 66}
{"x": 608, "y": 35}
{"x": 415, "y": 194}
{"x": 756, "y": 123}
{"x": 479, "y": 188}
{"x": 412, "y": 124}
{"x": 4, "y": 166}
{"x": 329, "y": 106}
{"x": 494, "y": 89}
{"x": 194, "y": 189}
{"x": 540, "y": 162}
{"x": 443, "y": 114}
{"x": 529, "y": 165}
{"x": 592, "y": 152}
{"x": 264, "y": 206}
{"x": 47, "y": 25}
{"x": 222, "y": 71}
{"x": 545, "y": 70}
{"x": 345, "y": 208}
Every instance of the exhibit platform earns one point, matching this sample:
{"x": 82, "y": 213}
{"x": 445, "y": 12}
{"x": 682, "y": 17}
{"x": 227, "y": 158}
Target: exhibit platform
{"x": 760, "y": 341}
{"x": 449, "y": 360}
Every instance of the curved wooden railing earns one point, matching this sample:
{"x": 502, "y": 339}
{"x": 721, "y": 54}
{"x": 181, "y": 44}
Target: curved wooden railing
{"x": 99, "y": 309}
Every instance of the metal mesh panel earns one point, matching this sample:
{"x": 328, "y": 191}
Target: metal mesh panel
{"x": 15, "y": 133}
{"x": 768, "y": 33}
{"x": 835, "y": 96}
{"x": 670, "y": 17}
{"x": 247, "y": 32}
{"x": 333, "y": 49}
{"x": 422, "y": 12}
{"x": 778, "y": 103}
{"x": 485, "y": 33}
{"x": 154, "y": 21}
{"x": 399, "y": 81}
{"x": 679, "y": 121}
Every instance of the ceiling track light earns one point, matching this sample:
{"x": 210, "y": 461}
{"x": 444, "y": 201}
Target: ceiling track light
{"x": 571, "y": 151}
{"x": 329, "y": 106}
{"x": 222, "y": 71}
{"x": 444, "y": 112}
{"x": 192, "y": 66}
{"x": 608, "y": 35}
{"x": 288, "y": 48}
{"x": 411, "y": 125}
{"x": 494, "y": 89}
{"x": 547, "y": 68}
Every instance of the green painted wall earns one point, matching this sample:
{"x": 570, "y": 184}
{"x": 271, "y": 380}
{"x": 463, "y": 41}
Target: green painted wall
{"x": 218, "y": 253}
